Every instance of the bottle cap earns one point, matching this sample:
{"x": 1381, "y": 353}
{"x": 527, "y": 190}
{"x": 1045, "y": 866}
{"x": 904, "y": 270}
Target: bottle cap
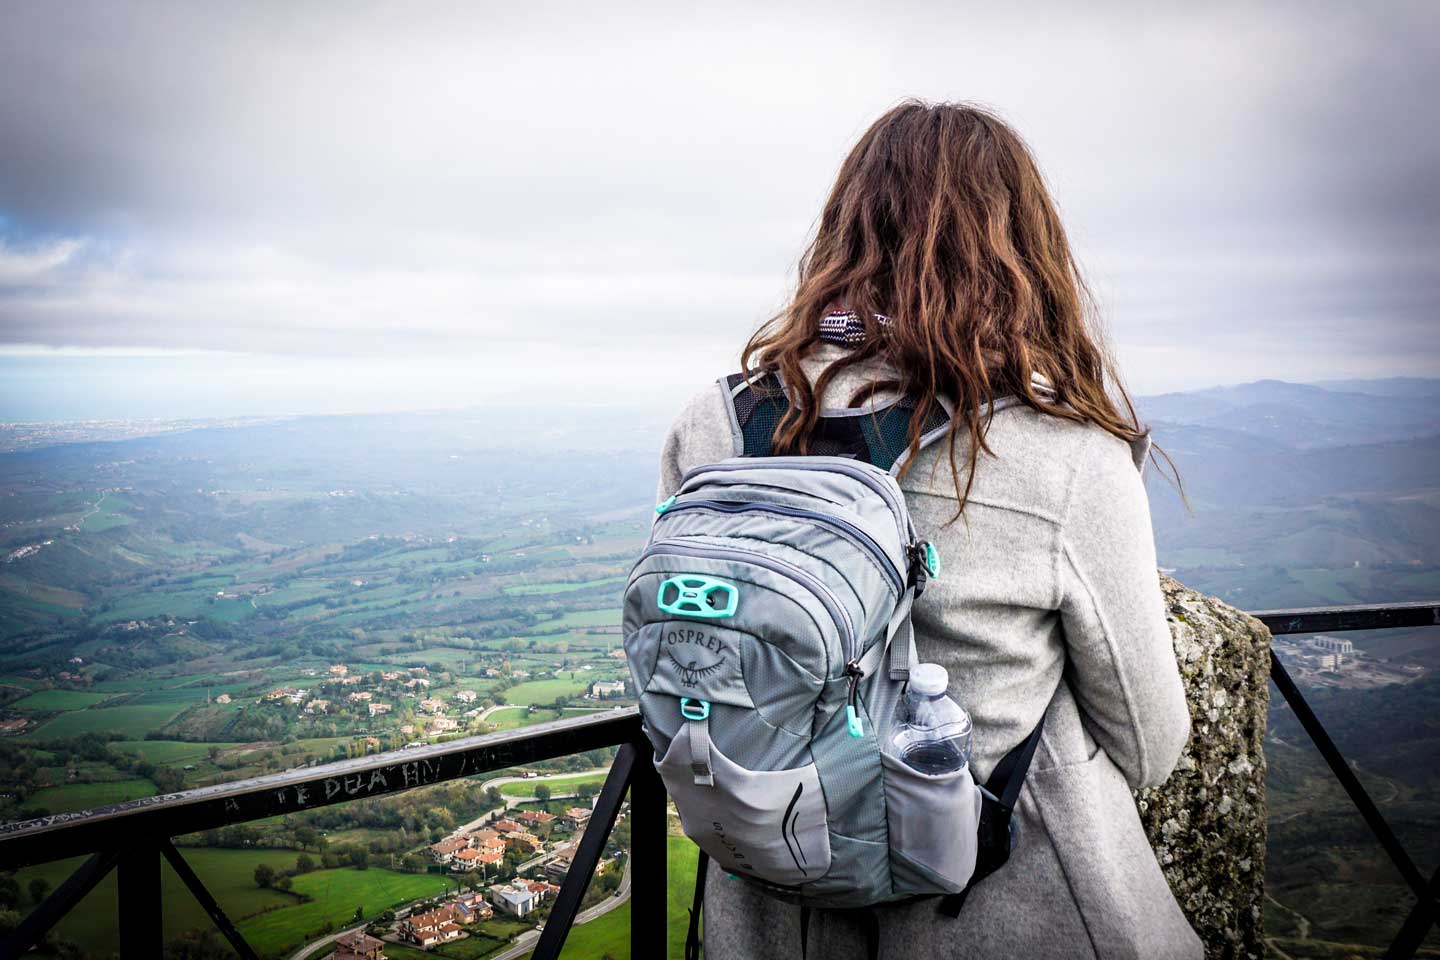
{"x": 929, "y": 679}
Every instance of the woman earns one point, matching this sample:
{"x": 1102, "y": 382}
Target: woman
{"x": 940, "y": 269}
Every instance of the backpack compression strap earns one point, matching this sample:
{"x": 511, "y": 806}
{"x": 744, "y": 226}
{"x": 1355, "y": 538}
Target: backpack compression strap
{"x": 997, "y": 806}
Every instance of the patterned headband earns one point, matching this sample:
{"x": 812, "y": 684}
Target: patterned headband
{"x": 846, "y": 328}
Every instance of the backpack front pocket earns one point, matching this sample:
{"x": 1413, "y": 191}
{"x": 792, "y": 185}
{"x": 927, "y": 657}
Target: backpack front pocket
{"x": 934, "y": 826}
{"x": 767, "y": 824}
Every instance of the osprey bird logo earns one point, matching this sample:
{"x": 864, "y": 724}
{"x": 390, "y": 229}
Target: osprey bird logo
{"x": 691, "y": 673}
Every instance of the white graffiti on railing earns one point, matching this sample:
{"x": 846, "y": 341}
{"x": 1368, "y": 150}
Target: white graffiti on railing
{"x": 340, "y": 788}
{"x": 55, "y": 818}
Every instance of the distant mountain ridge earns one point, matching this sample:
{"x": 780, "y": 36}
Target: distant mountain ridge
{"x": 1301, "y": 494}
{"x": 1304, "y": 415}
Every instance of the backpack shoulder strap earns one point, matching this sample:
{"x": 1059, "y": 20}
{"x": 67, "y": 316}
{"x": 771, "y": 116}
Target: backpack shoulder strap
{"x": 693, "y": 945}
{"x": 756, "y": 403}
{"x": 997, "y": 808}
{"x": 878, "y": 435}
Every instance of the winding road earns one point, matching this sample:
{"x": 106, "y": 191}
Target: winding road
{"x": 310, "y": 948}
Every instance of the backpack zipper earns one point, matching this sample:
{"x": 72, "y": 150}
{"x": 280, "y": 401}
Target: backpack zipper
{"x": 866, "y": 542}
{"x": 821, "y": 464}
{"x": 805, "y": 578}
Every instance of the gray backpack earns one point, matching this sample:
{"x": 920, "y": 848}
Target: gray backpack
{"x": 767, "y": 629}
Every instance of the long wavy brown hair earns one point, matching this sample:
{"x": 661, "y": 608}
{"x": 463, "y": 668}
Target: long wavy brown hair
{"x": 940, "y": 220}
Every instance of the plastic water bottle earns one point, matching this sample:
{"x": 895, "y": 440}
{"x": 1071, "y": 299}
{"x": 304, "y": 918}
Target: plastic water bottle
{"x": 932, "y": 732}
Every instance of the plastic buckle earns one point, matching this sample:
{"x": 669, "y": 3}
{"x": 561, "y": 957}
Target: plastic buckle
{"x": 687, "y": 705}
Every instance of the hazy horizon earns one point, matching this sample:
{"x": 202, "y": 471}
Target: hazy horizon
{"x": 275, "y": 208}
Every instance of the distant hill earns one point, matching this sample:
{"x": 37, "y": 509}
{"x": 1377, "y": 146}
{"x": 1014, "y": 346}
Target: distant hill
{"x": 1303, "y": 415}
{"x": 1302, "y": 494}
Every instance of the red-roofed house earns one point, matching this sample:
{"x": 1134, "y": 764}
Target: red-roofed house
{"x": 575, "y": 818}
{"x": 357, "y": 945}
{"x": 445, "y": 850}
{"x": 434, "y": 926}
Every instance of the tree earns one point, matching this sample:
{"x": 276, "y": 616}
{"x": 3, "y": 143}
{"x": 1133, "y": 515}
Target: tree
{"x": 264, "y": 876}
{"x": 542, "y": 792}
{"x": 588, "y": 790}
{"x": 283, "y": 882}
{"x": 360, "y": 858}
{"x": 39, "y": 889}
{"x": 359, "y": 914}
{"x": 303, "y": 864}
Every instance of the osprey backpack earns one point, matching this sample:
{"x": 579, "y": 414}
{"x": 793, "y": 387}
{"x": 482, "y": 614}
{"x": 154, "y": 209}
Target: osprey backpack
{"x": 767, "y": 629}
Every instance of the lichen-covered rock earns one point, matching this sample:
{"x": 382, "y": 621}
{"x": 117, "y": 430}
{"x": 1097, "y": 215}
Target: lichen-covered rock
{"x": 1207, "y": 822}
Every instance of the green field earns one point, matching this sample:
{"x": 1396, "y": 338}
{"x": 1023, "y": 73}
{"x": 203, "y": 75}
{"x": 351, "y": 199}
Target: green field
{"x": 336, "y": 894}
{"x": 166, "y": 752}
{"x": 562, "y": 785}
{"x": 228, "y": 874}
{"x": 547, "y": 589}
{"x": 132, "y": 721}
{"x": 49, "y": 700}
{"x": 512, "y": 718}
{"x": 544, "y": 691}
{"x": 107, "y": 516}
{"x": 586, "y": 618}
{"x": 610, "y": 933}
{"x": 86, "y": 796}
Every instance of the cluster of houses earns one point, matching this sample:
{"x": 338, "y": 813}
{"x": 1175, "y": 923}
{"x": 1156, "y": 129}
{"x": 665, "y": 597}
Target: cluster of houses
{"x": 442, "y": 924}
{"x": 485, "y": 849}
{"x": 417, "y": 686}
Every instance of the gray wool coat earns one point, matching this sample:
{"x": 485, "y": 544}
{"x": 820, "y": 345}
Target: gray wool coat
{"x": 1048, "y": 603}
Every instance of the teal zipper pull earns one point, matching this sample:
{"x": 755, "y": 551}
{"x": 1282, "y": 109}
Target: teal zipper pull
{"x": 665, "y": 504}
{"x": 853, "y": 722}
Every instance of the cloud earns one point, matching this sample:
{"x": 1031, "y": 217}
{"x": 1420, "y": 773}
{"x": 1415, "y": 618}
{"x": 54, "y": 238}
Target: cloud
{"x": 35, "y": 263}
{"x": 378, "y": 180}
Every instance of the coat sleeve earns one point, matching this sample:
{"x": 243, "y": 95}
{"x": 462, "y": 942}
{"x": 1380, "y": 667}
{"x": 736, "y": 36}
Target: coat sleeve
{"x": 1122, "y": 661}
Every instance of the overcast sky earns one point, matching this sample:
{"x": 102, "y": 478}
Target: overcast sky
{"x": 220, "y": 208}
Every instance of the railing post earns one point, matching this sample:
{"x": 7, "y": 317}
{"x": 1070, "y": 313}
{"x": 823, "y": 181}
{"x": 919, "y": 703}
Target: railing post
{"x": 648, "y": 882}
{"x": 1417, "y": 926}
{"x": 142, "y": 933}
{"x": 587, "y": 856}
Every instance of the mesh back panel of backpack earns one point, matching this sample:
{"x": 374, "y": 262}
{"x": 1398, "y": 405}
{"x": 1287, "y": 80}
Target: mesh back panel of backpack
{"x": 878, "y": 437}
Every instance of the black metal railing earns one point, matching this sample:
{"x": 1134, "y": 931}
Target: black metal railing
{"x": 133, "y": 837}
{"x": 1331, "y": 620}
